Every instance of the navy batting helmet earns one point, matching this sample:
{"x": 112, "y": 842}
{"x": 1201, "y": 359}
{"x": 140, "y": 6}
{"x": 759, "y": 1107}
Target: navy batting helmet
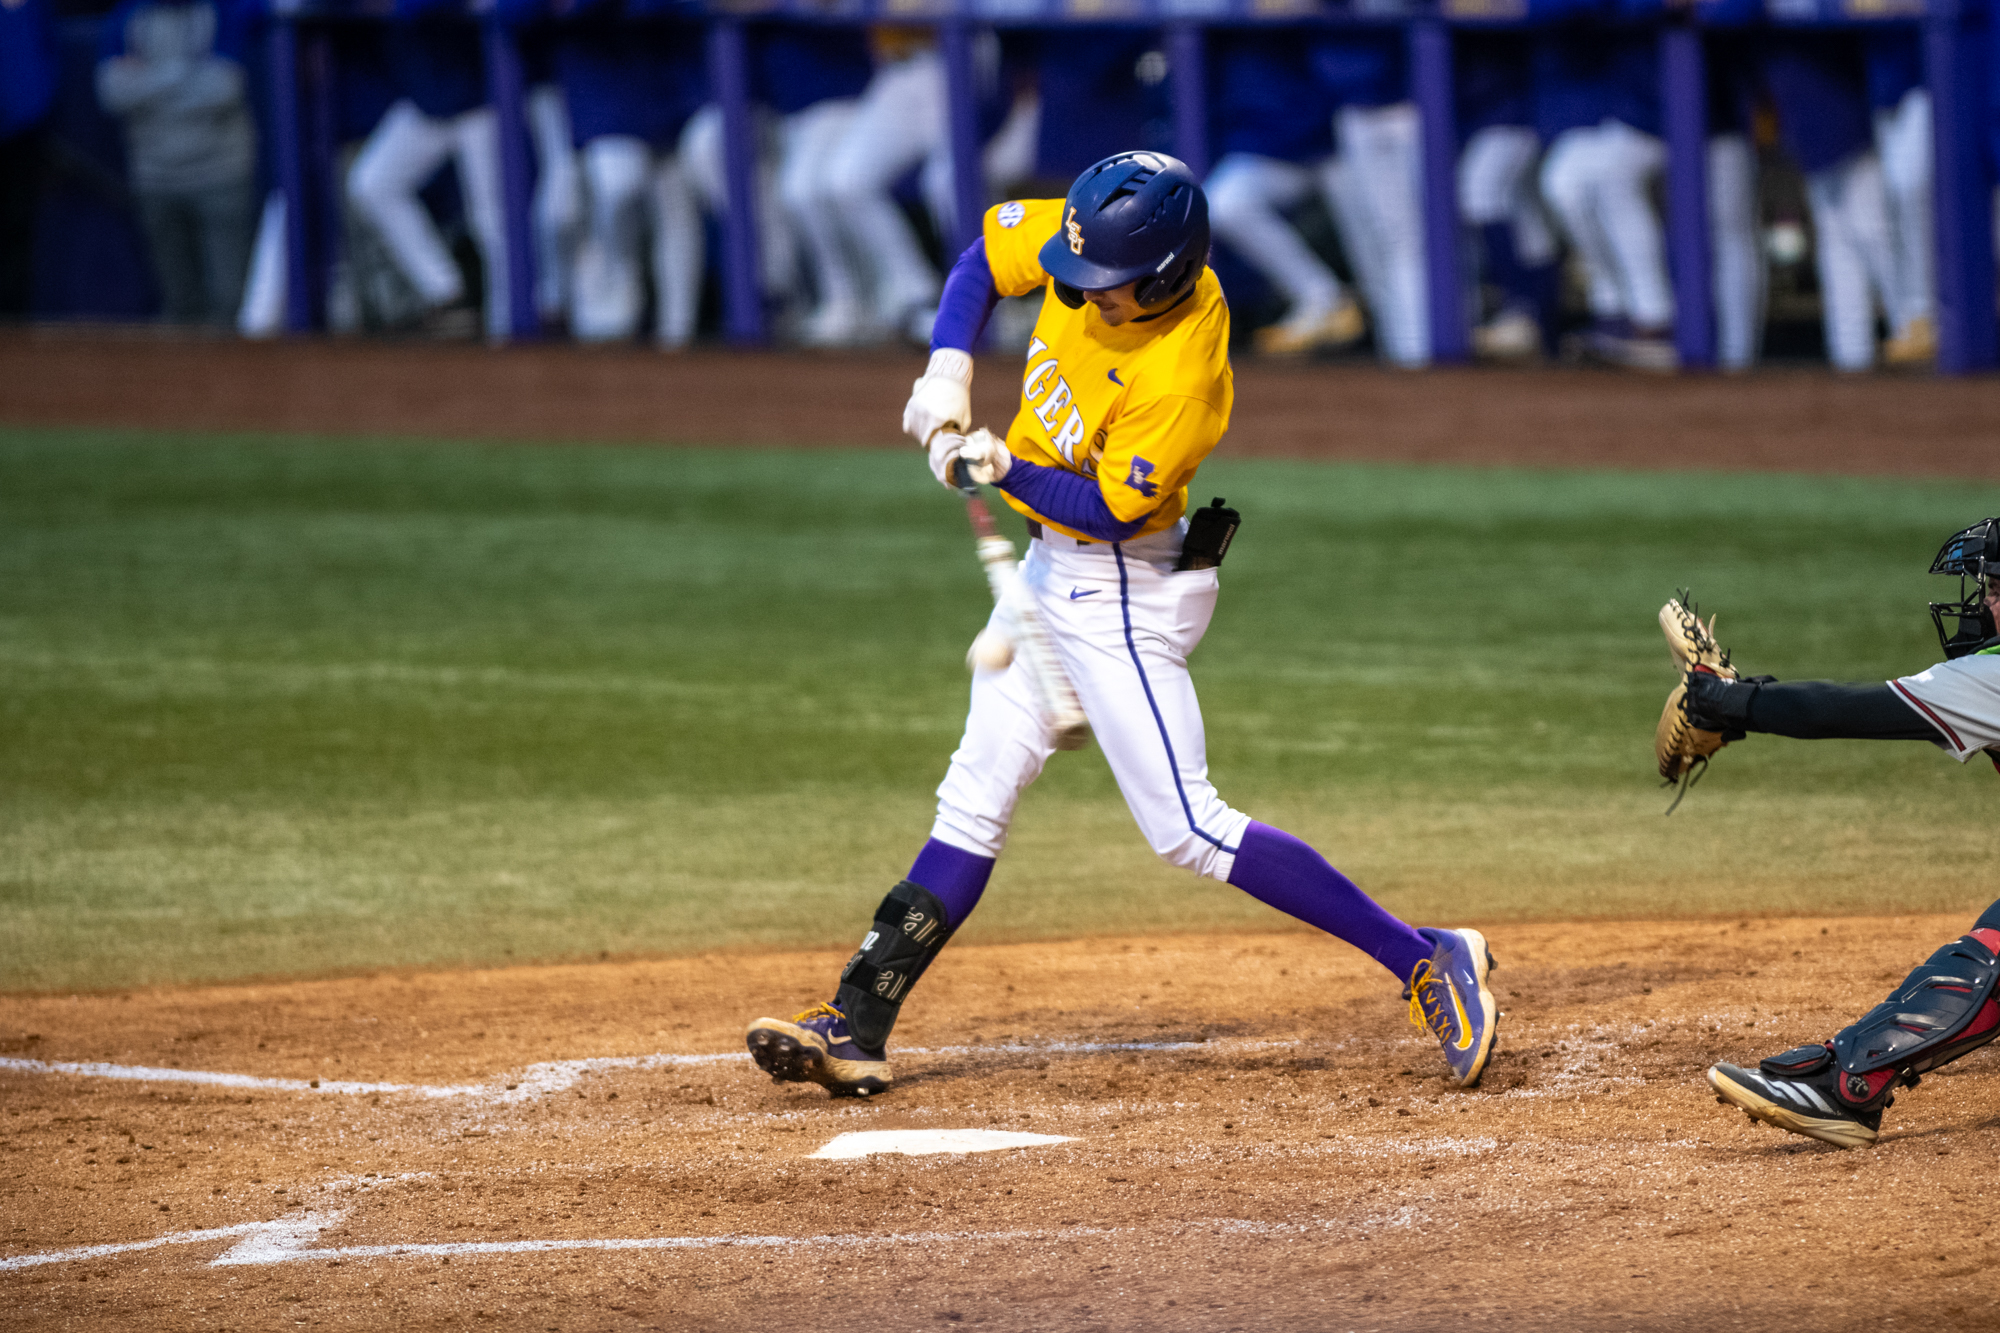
{"x": 1134, "y": 217}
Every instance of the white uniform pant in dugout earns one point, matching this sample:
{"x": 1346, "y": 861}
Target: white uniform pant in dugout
{"x": 1123, "y": 622}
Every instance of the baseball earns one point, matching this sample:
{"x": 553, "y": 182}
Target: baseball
{"x": 991, "y": 651}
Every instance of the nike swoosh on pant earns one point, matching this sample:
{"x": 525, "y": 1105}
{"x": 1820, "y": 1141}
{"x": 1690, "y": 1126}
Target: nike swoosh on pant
{"x": 1074, "y": 594}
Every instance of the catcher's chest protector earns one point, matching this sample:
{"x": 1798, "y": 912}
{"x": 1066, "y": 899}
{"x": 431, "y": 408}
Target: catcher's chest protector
{"x": 1942, "y": 1010}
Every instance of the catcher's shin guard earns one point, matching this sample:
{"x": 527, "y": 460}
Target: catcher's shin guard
{"x": 909, "y": 931}
{"x": 1942, "y": 1010}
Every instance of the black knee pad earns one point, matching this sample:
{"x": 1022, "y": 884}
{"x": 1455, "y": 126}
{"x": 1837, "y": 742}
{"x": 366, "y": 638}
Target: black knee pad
{"x": 1924, "y": 1023}
{"x": 910, "y": 930}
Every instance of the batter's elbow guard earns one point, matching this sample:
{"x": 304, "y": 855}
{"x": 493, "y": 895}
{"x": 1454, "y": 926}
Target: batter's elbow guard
{"x": 910, "y": 930}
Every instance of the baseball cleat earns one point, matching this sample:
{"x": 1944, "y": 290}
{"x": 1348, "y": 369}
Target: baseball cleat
{"x": 1916, "y": 345}
{"x": 1300, "y": 335}
{"x": 816, "y": 1047}
{"x": 1812, "y": 1106}
{"x": 1448, "y": 997}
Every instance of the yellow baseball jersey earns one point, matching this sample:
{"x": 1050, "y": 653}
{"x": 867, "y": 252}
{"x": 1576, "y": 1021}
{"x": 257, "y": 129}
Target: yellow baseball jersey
{"x": 1137, "y": 407}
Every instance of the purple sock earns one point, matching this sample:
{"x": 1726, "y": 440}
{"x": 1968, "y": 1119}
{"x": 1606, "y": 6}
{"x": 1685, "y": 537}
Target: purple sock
{"x": 956, "y": 877}
{"x": 1275, "y": 868}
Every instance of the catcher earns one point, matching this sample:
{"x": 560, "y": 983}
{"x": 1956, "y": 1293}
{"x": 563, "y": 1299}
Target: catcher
{"x": 1836, "y": 1091}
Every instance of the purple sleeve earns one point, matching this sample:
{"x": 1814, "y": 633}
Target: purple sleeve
{"x": 968, "y": 300}
{"x": 1066, "y": 498}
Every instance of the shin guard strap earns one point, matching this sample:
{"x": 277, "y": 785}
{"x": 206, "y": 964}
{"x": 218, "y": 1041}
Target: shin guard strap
{"x": 910, "y": 929}
{"x": 1938, "y": 1014}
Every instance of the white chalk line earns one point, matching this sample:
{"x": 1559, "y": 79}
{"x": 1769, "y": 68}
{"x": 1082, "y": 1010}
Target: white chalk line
{"x": 290, "y": 1240}
{"x": 551, "y": 1076}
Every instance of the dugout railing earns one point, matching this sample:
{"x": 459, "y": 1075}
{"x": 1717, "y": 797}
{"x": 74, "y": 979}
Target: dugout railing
{"x": 1958, "y": 67}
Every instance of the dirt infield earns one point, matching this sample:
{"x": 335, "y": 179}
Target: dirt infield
{"x": 1256, "y": 1140}
{"x": 1807, "y": 421}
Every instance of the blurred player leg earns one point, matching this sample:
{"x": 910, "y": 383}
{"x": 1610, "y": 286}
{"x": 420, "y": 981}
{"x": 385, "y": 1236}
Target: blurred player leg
{"x": 262, "y": 314}
{"x": 700, "y": 160}
{"x": 807, "y": 140}
{"x": 558, "y": 204}
{"x": 1007, "y": 159}
{"x": 899, "y": 121}
{"x": 1379, "y": 146}
{"x": 1738, "y": 258}
{"x": 405, "y": 150}
{"x": 1903, "y": 139}
{"x": 607, "y": 299}
{"x": 1248, "y": 197}
{"x": 677, "y": 254}
{"x": 1629, "y": 161}
{"x": 1850, "y": 212}
{"x": 1497, "y": 200}
{"x": 476, "y": 136}
{"x": 1569, "y": 181}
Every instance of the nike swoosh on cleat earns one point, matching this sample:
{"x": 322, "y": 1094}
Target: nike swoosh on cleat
{"x": 1074, "y": 594}
{"x": 1113, "y": 374}
{"x": 1464, "y": 1042}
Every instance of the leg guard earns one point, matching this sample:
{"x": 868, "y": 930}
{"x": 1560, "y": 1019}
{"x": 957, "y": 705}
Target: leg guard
{"x": 1941, "y": 1011}
{"x": 910, "y": 929}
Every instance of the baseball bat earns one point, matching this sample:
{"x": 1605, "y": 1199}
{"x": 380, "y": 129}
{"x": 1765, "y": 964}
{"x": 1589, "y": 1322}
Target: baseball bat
{"x": 1068, "y": 728}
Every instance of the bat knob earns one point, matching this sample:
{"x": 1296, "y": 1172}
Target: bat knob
{"x": 961, "y": 476}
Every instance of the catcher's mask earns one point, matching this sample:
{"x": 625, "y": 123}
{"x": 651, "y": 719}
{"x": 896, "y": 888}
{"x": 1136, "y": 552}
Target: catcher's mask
{"x": 1972, "y": 553}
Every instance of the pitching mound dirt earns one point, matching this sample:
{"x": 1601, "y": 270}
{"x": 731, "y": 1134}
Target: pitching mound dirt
{"x": 1257, "y": 1140}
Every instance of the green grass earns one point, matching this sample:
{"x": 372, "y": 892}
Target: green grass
{"x": 282, "y": 706}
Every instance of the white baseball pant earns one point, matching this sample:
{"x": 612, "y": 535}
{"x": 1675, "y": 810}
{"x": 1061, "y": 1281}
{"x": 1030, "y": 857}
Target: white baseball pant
{"x": 1903, "y": 141}
{"x": 1009, "y": 157}
{"x": 1735, "y": 252}
{"x": 1378, "y": 200}
{"x": 806, "y": 143}
{"x": 1855, "y": 257}
{"x": 1248, "y": 197}
{"x": 631, "y": 191}
{"x": 1496, "y": 184}
{"x": 1123, "y": 623}
{"x": 404, "y": 151}
{"x": 558, "y": 203}
{"x": 1598, "y": 180}
{"x": 262, "y": 314}
{"x": 899, "y": 122}
{"x": 701, "y": 158}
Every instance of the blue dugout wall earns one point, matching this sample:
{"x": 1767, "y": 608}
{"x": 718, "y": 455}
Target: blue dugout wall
{"x": 1957, "y": 56}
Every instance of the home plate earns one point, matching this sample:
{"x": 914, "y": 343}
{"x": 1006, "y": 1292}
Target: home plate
{"x": 917, "y": 1142}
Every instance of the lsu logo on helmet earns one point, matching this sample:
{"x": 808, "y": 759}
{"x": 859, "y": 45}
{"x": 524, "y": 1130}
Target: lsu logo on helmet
{"x": 1074, "y": 230}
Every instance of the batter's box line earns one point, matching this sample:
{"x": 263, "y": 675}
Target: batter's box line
{"x": 552, "y": 1076}
{"x": 290, "y": 1240}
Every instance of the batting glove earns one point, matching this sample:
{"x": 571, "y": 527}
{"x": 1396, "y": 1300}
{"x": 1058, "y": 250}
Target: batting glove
{"x": 944, "y": 447}
{"x": 986, "y": 457}
{"x": 942, "y": 398}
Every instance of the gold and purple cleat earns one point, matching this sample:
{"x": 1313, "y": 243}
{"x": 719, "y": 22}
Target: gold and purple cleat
{"x": 816, "y": 1047}
{"x": 1448, "y": 997}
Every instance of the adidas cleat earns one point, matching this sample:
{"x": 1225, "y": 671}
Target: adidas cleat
{"x": 1448, "y": 997}
{"x": 816, "y": 1047}
{"x": 1812, "y": 1105}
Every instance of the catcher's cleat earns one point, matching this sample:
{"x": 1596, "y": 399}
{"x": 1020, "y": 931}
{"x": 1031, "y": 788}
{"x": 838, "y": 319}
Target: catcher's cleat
{"x": 816, "y": 1047}
{"x": 1814, "y": 1104}
{"x": 1448, "y": 997}
{"x": 1305, "y": 333}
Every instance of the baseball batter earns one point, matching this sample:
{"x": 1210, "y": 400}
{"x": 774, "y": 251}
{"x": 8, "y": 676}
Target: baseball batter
{"x": 1836, "y": 1091}
{"x": 1127, "y": 388}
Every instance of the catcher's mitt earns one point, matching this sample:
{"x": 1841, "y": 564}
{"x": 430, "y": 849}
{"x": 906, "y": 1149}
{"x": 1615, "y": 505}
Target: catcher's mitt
{"x": 1681, "y": 747}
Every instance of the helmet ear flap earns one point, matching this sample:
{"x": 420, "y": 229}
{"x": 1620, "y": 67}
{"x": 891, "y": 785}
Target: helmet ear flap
{"x": 1068, "y": 295}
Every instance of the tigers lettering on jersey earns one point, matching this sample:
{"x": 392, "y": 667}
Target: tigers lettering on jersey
{"x": 1048, "y": 395}
{"x": 1136, "y": 407}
